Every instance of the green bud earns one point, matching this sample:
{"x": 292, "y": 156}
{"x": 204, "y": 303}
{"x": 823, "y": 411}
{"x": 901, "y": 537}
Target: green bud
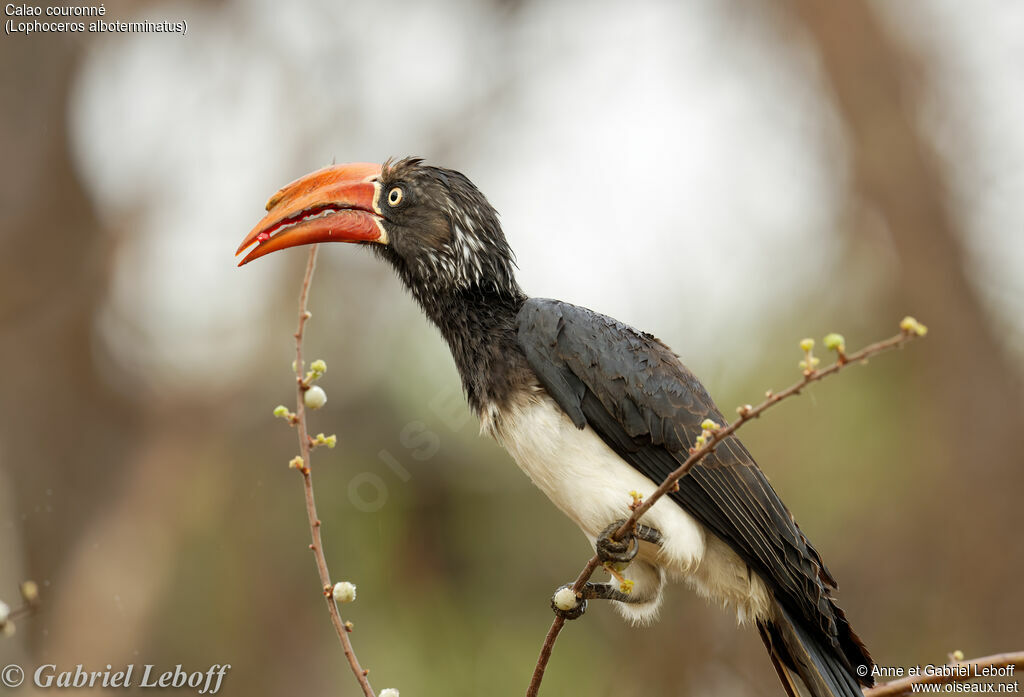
{"x": 281, "y": 411}
{"x": 912, "y": 326}
{"x": 30, "y": 592}
{"x": 809, "y": 364}
{"x": 806, "y": 344}
{"x": 835, "y": 342}
{"x": 709, "y": 425}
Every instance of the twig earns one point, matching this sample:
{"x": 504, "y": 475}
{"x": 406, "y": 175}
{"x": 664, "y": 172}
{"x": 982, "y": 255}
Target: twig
{"x": 904, "y": 686}
{"x": 29, "y": 605}
{"x": 307, "y": 480}
{"x": 747, "y": 413}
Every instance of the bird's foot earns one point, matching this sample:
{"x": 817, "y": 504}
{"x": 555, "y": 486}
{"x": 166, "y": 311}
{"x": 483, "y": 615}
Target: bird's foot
{"x": 612, "y": 551}
{"x": 571, "y": 605}
{"x": 618, "y": 553}
{"x": 567, "y": 604}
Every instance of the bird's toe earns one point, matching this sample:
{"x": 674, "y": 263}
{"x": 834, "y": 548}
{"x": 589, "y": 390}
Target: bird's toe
{"x": 613, "y": 551}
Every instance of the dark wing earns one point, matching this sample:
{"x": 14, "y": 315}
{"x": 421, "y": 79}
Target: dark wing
{"x": 644, "y": 403}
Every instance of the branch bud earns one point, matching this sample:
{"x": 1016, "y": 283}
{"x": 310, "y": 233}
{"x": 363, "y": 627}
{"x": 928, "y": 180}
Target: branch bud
{"x": 330, "y": 441}
{"x": 344, "y": 592}
{"x": 637, "y": 497}
{"x": 809, "y": 363}
{"x": 388, "y": 692}
{"x": 565, "y": 599}
{"x": 909, "y": 325}
{"x": 835, "y": 342}
{"x": 315, "y": 397}
{"x": 30, "y": 593}
{"x": 296, "y": 463}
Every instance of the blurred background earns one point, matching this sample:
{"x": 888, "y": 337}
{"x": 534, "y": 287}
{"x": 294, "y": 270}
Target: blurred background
{"x": 731, "y": 176}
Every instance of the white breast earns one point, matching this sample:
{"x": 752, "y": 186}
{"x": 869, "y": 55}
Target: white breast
{"x": 591, "y": 484}
{"x": 588, "y": 481}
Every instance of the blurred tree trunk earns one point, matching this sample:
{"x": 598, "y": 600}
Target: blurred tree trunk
{"x": 968, "y": 392}
{"x": 62, "y": 426}
{"x": 113, "y": 474}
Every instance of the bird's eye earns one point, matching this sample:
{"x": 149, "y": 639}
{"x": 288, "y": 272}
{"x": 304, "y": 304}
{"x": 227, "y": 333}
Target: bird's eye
{"x": 395, "y": 196}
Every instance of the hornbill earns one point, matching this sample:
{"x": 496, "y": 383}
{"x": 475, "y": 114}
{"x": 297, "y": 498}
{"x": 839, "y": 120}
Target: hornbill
{"x": 590, "y": 409}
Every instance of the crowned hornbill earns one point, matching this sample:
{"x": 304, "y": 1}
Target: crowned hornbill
{"x": 590, "y": 409}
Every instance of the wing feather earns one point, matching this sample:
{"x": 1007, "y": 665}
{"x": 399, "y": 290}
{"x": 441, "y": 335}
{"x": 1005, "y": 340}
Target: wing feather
{"x": 641, "y": 400}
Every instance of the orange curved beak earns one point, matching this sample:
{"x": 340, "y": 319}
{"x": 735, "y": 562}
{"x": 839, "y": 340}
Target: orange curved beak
{"x": 333, "y": 204}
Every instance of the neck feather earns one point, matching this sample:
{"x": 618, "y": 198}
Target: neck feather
{"x": 480, "y": 328}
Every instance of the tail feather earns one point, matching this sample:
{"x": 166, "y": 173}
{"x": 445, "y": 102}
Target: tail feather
{"x": 806, "y": 664}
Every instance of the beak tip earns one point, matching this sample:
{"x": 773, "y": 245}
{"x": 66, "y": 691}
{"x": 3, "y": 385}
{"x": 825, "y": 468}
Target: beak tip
{"x": 251, "y": 245}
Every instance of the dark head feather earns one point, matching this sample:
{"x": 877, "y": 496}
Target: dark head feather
{"x": 443, "y": 231}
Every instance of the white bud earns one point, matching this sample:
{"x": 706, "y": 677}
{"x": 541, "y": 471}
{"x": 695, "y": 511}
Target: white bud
{"x": 315, "y": 397}
{"x": 565, "y": 599}
{"x": 8, "y": 629}
{"x": 344, "y": 592}
{"x": 388, "y": 692}
{"x": 5, "y": 611}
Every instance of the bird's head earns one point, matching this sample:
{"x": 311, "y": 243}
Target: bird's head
{"x": 432, "y": 224}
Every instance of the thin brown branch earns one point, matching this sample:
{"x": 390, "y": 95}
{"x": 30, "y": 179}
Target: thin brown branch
{"x": 696, "y": 455}
{"x": 16, "y": 614}
{"x": 29, "y": 605}
{"x": 307, "y": 481}
{"x": 21, "y": 612}
{"x": 963, "y": 671}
